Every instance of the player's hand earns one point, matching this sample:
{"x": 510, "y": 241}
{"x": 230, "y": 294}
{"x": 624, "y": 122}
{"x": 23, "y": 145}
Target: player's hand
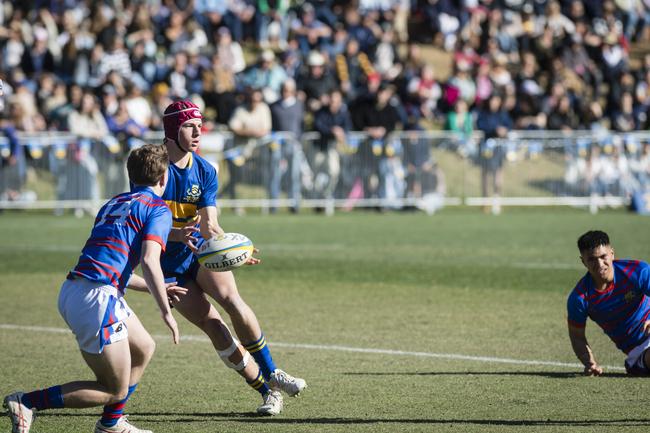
{"x": 646, "y": 327}
{"x": 174, "y": 292}
{"x": 169, "y": 320}
{"x": 593, "y": 369}
{"x": 188, "y": 234}
{"x": 254, "y": 260}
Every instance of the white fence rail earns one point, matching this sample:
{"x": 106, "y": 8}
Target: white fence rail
{"x": 408, "y": 169}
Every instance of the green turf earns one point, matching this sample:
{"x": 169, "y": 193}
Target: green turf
{"x": 459, "y": 282}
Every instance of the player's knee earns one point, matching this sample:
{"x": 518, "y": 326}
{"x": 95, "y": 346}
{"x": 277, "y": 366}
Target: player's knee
{"x": 232, "y": 303}
{"x": 116, "y": 394}
{"x": 149, "y": 348}
{"x": 235, "y": 357}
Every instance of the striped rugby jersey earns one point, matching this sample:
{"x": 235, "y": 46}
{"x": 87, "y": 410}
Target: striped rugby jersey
{"x": 115, "y": 244}
{"x": 188, "y": 190}
{"x": 620, "y": 310}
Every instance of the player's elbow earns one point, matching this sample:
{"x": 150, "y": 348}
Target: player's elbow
{"x": 150, "y": 263}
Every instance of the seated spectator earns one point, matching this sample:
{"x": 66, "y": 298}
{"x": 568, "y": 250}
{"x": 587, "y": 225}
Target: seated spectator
{"x": 126, "y": 130}
{"x": 311, "y": 33}
{"x": 623, "y": 119}
{"x": 231, "y": 56}
{"x": 38, "y": 59}
{"x": 317, "y": 83}
{"x": 266, "y": 75}
{"x": 425, "y": 91}
{"x": 563, "y": 117}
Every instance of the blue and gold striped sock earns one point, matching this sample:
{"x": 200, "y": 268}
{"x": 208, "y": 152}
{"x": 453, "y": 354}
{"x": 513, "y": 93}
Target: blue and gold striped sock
{"x": 259, "y": 384}
{"x": 262, "y": 356}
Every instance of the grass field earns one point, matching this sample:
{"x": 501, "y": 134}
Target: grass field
{"x": 392, "y": 319}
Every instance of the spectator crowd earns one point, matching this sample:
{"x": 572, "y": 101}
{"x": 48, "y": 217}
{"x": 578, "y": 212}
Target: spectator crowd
{"x": 105, "y": 71}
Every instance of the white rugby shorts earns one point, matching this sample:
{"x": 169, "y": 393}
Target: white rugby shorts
{"x": 634, "y": 363}
{"x": 94, "y": 312}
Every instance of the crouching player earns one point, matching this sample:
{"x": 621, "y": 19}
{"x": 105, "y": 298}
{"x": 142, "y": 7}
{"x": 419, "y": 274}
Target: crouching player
{"x": 616, "y": 295}
{"x": 130, "y": 228}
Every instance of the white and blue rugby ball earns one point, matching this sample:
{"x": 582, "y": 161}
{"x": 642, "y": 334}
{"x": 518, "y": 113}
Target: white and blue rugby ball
{"x": 225, "y": 252}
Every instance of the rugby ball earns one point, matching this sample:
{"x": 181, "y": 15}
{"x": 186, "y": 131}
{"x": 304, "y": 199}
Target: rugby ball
{"x": 225, "y": 252}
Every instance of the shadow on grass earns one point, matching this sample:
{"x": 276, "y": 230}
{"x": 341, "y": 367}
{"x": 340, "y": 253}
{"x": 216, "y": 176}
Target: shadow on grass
{"x": 549, "y": 374}
{"x": 179, "y": 417}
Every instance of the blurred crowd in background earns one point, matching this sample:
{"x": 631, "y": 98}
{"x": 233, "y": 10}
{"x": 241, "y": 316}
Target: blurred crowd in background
{"x": 109, "y": 68}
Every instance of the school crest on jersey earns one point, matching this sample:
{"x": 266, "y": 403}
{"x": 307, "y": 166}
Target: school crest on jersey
{"x": 631, "y": 296}
{"x": 192, "y": 194}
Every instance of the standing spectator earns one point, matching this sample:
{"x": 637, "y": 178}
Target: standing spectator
{"x": 219, "y": 89}
{"x": 332, "y": 122}
{"x": 286, "y": 155}
{"x": 250, "y": 122}
{"x": 80, "y": 179}
{"x": 495, "y": 122}
{"x": 378, "y": 119}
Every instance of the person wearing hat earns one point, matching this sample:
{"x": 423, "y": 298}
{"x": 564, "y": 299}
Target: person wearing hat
{"x": 191, "y": 195}
{"x": 317, "y": 83}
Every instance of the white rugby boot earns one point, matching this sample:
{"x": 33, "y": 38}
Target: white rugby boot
{"x": 290, "y": 385}
{"x": 123, "y": 426}
{"x": 272, "y": 404}
{"x": 21, "y": 416}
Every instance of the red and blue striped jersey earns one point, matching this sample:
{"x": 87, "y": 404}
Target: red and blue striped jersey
{"x": 188, "y": 190}
{"x": 621, "y": 309}
{"x": 113, "y": 250}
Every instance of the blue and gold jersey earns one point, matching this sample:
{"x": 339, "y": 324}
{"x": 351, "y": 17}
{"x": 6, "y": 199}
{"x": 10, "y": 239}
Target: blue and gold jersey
{"x": 188, "y": 190}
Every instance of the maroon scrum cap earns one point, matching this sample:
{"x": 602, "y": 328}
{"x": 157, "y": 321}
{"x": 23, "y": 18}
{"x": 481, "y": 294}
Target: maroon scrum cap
{"x": 178, "y": 113}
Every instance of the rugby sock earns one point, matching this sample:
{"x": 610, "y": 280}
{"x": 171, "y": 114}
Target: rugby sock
{"x": 113, "y": 412}
{"x": 262, "y": 356}
{"x": 259, "y": 384}
{"x": 48, "y": 398}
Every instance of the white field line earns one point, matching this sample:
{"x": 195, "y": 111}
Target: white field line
{"x": 451, "y": 356}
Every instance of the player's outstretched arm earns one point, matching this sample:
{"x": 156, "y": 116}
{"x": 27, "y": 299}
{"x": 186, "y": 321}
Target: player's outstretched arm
{"x": 155, "y": 280}
{"x": 174, "y": 292}
{"x": 209, "y": 222}
{"x": 583, "y": 351}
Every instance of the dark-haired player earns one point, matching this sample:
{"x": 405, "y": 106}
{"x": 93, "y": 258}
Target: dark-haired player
{"x": 615, "y": 295}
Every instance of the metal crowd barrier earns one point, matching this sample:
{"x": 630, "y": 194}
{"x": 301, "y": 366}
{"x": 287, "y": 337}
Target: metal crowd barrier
{"x": 407, "y": 170}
